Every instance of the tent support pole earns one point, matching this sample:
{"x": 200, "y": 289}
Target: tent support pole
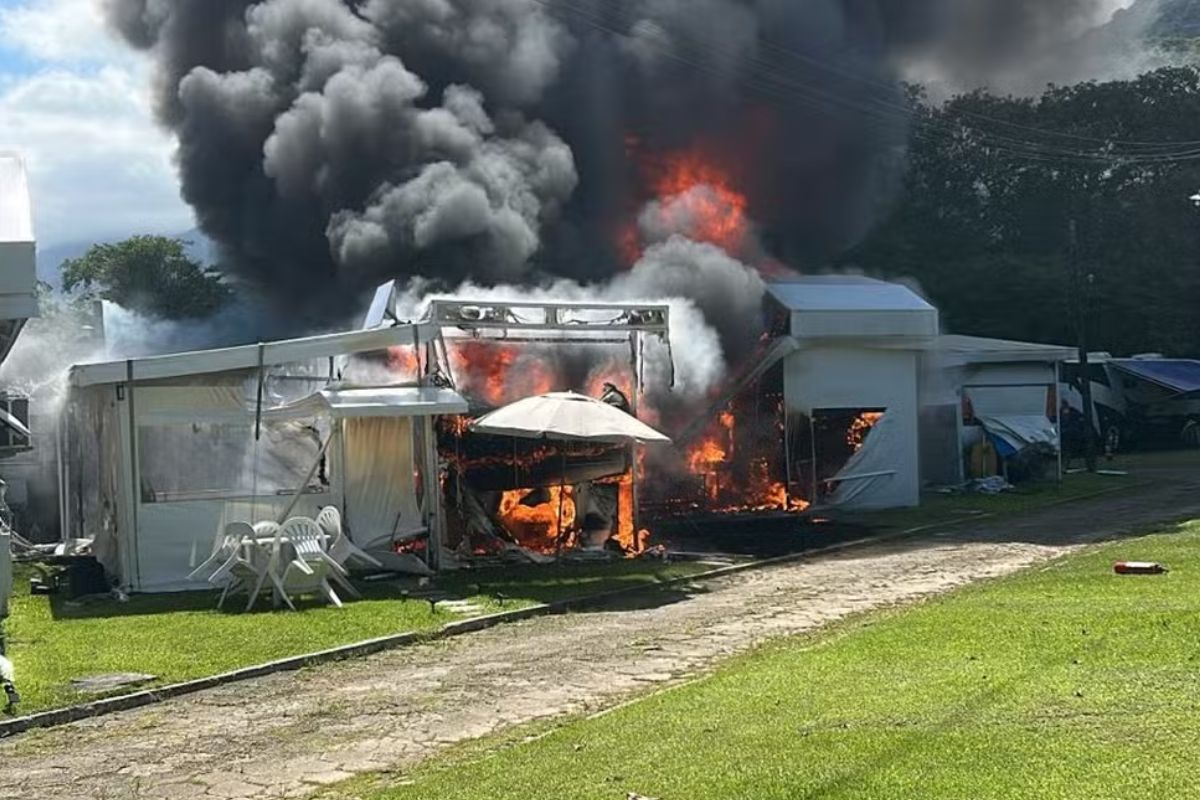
{"x": 812, "y": 451}
{"x": 259, "y": 402}
{"x": 787, "y": 459}
{"x": 433, "y": 495}
{"x": 64, "y": 479}
{"x": 1058, "y": 418}
{"x": 307, "y": 479}
{"x": 340, "y": 426}
{"x": 135, "y": 480}
{"x": 635, "y": 341}
{"x": 562, "y": 490}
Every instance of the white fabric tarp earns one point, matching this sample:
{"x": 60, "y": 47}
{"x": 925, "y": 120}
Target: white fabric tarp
{"x": 1021, "y": 430}
{"x": 870, "y": 479}
{"x": 380, "y": 480}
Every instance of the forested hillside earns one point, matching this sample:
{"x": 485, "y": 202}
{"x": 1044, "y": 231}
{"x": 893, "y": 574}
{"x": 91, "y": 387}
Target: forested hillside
{"x": 994, "y": 185}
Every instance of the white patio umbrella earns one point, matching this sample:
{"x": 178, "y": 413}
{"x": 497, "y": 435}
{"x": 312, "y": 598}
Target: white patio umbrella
{"x": 567, "y": 416}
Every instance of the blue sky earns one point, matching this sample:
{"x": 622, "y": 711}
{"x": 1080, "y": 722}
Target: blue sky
{"x": 75, "y": 104}
{"x": 14, "y": 63}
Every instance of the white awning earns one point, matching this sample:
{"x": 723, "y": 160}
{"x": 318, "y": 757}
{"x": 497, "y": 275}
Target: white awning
{"x": 393, "y": 401}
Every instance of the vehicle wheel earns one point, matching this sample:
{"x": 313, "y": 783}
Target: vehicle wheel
{"x": 1191, "y": 433}
{"x": 1112, "y": 440}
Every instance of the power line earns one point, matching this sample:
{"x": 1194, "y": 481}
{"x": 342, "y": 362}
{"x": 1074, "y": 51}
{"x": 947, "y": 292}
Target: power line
{"x": 765, "y": 79}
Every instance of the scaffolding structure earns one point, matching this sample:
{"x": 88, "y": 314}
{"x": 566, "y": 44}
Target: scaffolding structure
{"x": 535, "y": 322}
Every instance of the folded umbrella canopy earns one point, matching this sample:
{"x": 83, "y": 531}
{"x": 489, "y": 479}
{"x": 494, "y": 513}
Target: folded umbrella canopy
{"x": 566, "y": 416}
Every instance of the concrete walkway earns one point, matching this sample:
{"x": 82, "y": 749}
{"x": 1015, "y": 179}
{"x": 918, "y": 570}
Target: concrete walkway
{"x": 289, "y": 734}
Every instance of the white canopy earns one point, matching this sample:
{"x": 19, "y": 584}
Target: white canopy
{"x": 566, "y": 416}
{"x": 391, "y": 401}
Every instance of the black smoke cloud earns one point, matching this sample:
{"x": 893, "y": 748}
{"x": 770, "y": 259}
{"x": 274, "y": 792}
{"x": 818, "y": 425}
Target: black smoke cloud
{"x": 326, "y": 145}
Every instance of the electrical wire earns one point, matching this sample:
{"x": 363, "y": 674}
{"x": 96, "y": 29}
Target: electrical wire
{"x": 764, "y": 79}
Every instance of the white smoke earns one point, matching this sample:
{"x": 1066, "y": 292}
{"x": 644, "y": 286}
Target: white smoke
{"x": 704, "y": 287}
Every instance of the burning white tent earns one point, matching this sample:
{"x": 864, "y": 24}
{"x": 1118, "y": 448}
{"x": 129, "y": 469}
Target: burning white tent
{"x": 163, "y": 451}
{"x": 859, "y": 343}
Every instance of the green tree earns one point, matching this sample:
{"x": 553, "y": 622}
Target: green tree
{"x": 150, "y": 274}
{"x": 994, "y": 183}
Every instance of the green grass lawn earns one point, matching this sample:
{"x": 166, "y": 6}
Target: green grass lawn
{"x": 178, "y": 637}
{"x": 1063, "y": 682}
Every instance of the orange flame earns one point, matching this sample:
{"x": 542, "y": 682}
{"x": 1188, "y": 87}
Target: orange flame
{"x": 458, "y": 424}
{"x": 856, "y": 436}
{"x": 403, "y": 359}
{"x": 537, "y": 527}
{"x": 694, "y": 191}
{"x": 632, "y": 543}
{"x": 695, "y": 197}
{"x": 491, "y": 372}
{"x": 712, "y": 459}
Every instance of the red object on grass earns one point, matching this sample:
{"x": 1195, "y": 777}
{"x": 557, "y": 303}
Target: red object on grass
{"x": 1138, "y": 568}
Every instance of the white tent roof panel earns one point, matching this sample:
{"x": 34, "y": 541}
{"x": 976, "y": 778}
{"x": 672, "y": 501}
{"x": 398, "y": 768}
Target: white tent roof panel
{"x": 849, "y": 307}
{"x": 846, "y": 293}
{"x": 393, "y": 401}
{"x": 288, "y": 351}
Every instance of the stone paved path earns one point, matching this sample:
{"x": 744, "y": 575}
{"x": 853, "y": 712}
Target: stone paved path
{"x": 287, "y": 735}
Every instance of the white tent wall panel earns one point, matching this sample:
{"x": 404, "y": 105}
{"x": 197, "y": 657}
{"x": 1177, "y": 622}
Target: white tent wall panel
{"x": 380, "y": 494}
{"x": 849, "y": 377}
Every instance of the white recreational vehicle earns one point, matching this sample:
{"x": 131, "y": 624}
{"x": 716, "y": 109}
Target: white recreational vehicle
{"x": 1146, "y": 400}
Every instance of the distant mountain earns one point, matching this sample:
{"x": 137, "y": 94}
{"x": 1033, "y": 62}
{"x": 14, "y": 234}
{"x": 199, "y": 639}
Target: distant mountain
{"x": 1177, "y": 19}
{"x": 49, "y": 259}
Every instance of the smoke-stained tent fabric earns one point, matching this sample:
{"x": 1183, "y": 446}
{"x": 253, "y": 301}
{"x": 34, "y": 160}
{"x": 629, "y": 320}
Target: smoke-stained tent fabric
{"x": 381, "y": 499}
{"x": 179, "y": 449}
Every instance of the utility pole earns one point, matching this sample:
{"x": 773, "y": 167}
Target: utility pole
{"x": 1080, "y": 290}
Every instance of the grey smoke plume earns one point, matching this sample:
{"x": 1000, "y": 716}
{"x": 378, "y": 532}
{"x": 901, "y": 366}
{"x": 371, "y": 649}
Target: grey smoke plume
{"x": 709, "y": 293}
{"x": 328, "y": 144}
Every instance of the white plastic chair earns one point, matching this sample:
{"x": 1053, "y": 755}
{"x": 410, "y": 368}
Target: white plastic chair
{"x": 271, "y": 556}
{"x": 309, "y": 571}
{"x": 235, "y": 570}
{"x": 225, "y": 543}
{"x": 341, "y": 549}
